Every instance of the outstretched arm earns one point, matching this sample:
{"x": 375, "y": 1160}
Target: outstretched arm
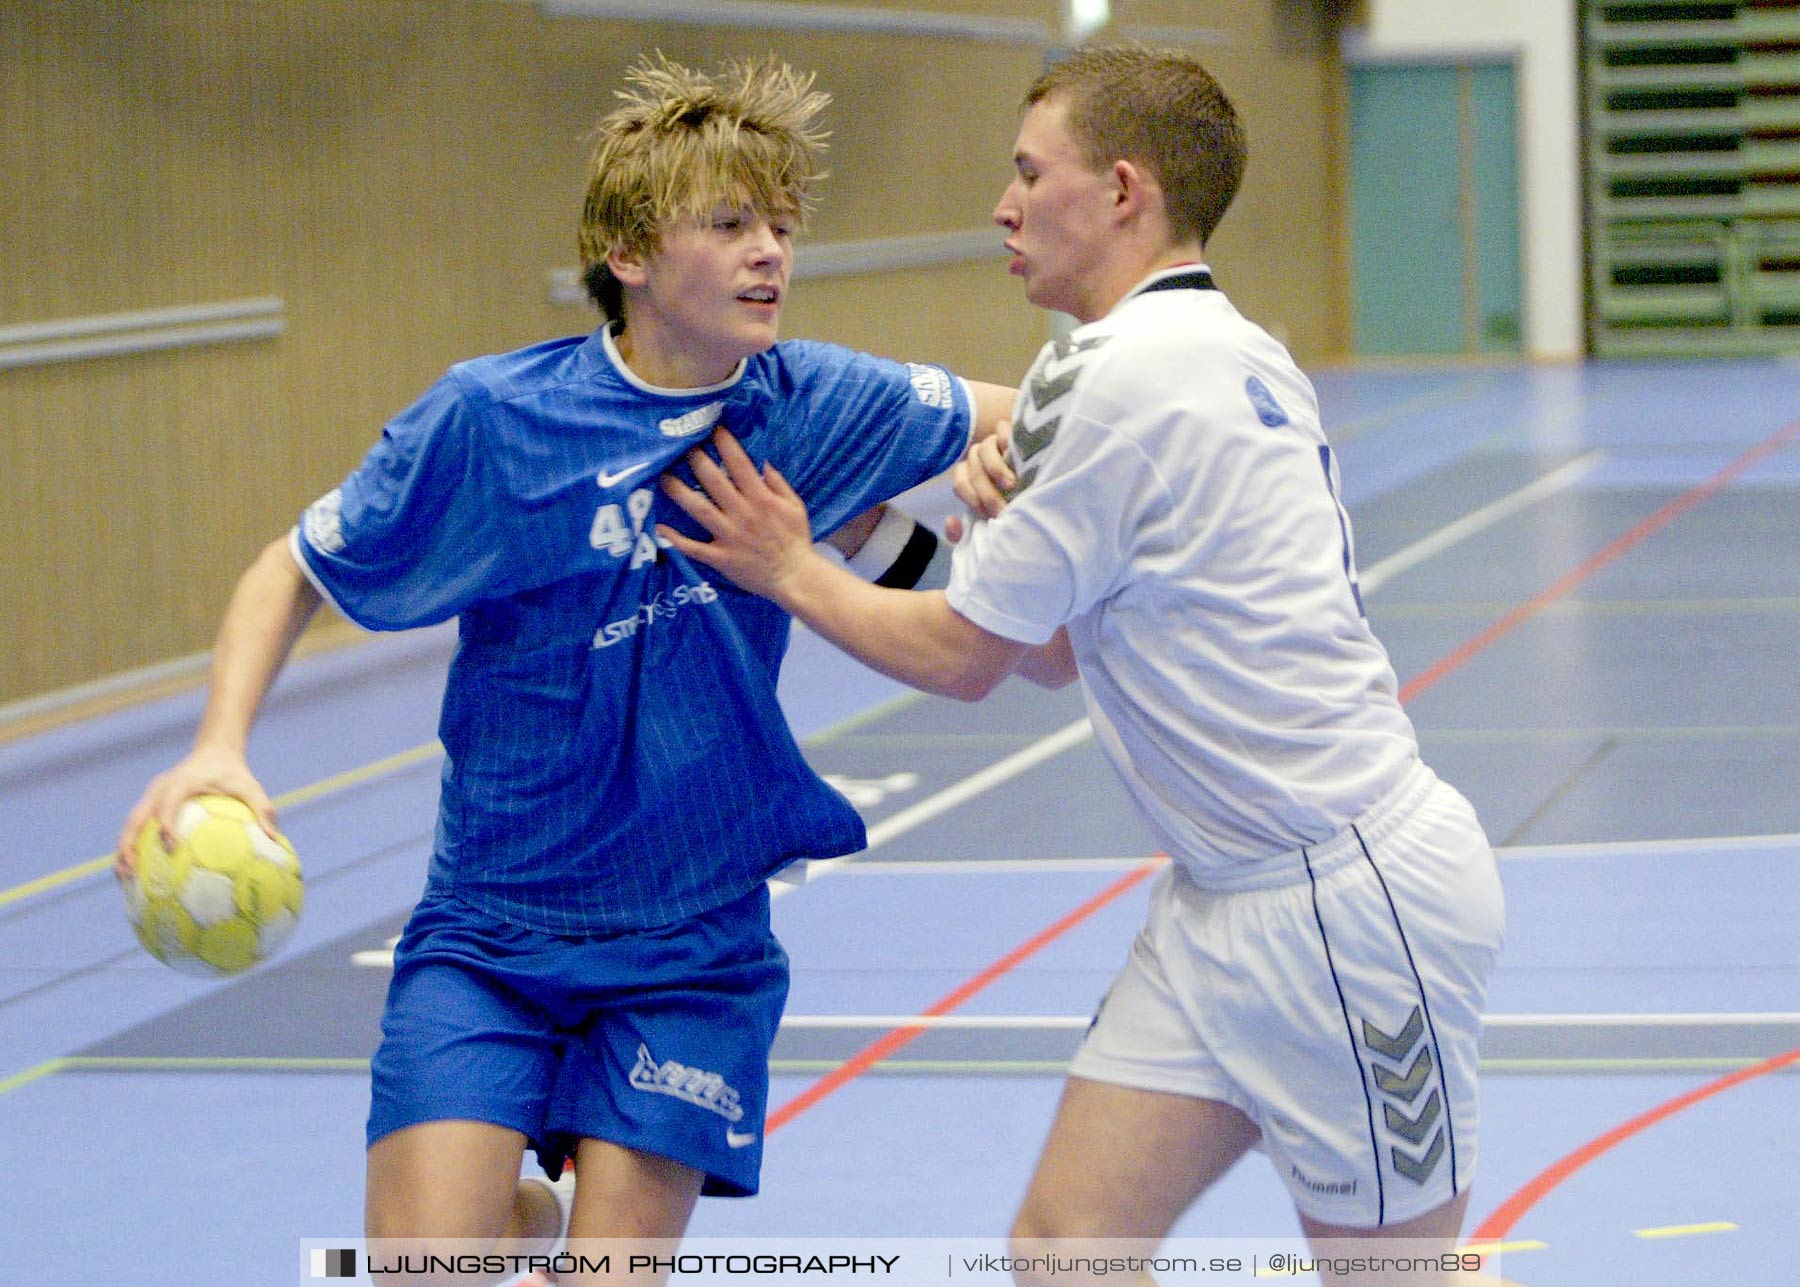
{"x": 268, "y": 610}
{"x": 761, "y": 540}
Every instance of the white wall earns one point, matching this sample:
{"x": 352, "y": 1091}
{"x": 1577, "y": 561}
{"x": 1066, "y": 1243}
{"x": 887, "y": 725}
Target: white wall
{"x": 1540, "y": 37}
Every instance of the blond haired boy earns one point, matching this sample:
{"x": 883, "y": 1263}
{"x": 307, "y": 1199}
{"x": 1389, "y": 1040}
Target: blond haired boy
{"x": 591, "y": 969}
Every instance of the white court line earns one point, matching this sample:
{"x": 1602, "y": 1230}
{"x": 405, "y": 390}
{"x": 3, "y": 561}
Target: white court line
{"x": 1651, "y": 848}
{"x": 1344, "y": 431}
{"x": 1478, "y": 520}
{"x": 1061, "y": 1021}
{"x": 1003, "y": 866}
{"x": 975, "y": 784}
{"x": 1765, "y": 1019}
{"x": 376, "y": 958}
{"x": 1517, "y": 853}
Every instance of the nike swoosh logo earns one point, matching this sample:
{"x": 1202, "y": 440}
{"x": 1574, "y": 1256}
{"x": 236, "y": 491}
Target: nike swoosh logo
{"x": 607, "y": 478}
{"x": 740, "y": 1139}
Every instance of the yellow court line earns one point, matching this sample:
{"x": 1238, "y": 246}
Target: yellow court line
{"x": 180, "y": 1063}
{"x": 30, "y": 1075}
{"x": 56, "y": 879}
{"x": 850, "y": 723}
{"x": 1503, "y": 1248}
{"x": 211, "y": 1063}
{"x": 1683, "y": 1230}
{"x": 300, "y": 795}
{"x": 356, "y": 777}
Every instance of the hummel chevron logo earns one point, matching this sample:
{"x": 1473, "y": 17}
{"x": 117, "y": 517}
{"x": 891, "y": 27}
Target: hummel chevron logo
{"x": 1413, "y": 1130}
{"x": 1034, "y": 431}
{"x": 1419, "y": 1169}
{"x": 612, "y": 478}
{"x": 1407, "y": 1085}
{"x": 1066, "y": 347}
{"x": 1395, "y": 1046}
{"x": 1032, "y": 441}
{"x": 1045, "y": 391}
{"x": 1045, "y": 388}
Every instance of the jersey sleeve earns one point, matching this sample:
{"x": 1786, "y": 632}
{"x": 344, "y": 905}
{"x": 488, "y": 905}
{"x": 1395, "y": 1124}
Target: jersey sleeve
{"x": 871, "y": 428}
{"x": 1087, "y": 492}
{"x": 411, "y": 537}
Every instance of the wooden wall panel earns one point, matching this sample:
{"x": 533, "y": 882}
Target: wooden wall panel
{"x": 403, "y": 177}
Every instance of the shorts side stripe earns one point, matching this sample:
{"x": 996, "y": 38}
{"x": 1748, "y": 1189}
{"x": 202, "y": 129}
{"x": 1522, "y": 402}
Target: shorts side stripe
{"x": 1350, "y": 1033}
{"x": 1424, "y": 1004}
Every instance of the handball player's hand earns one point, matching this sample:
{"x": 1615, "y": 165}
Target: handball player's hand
{"x": 759, "y": 528}
{"x": 205, "y": 771}
{"x": 981, "y": 480}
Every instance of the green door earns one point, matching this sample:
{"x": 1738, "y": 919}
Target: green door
{"x": 1434, "y": 196}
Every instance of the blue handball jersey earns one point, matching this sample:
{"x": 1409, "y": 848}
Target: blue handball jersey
{"x": 616, "y": 758}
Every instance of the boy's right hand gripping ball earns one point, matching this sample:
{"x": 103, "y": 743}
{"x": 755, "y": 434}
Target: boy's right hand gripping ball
{"x": 223, "y": 899}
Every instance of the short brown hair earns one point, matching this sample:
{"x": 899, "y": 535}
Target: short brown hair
{"x": 683, "y": 141}
{"x": 1159, "y": 108}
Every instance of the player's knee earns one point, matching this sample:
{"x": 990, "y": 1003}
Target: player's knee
{"x": 1026, "y": 1251}
{"x": 1030, "y": 1223}
{"x": 414, "y": 1220}
{"x": 1042, "y": 1231}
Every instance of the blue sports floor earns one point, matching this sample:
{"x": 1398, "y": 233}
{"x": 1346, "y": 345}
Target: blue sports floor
{"x": 1589, "y": 580}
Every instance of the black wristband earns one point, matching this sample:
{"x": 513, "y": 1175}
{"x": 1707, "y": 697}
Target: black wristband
{"x": 910, "y": 564}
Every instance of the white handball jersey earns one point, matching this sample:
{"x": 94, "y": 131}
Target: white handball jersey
{"x": 1178, "y": 511}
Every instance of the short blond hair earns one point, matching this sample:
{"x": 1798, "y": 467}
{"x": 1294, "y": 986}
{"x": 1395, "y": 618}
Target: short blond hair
{"x": 1160, "y": 108}
{"x": 682, "y": 142}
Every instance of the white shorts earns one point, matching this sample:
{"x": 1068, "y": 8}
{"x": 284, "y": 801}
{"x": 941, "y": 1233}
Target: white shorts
{"x": 1339, "y": 1010}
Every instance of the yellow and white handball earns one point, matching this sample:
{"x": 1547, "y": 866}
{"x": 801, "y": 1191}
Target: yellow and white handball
{"x": 223, "y": 899}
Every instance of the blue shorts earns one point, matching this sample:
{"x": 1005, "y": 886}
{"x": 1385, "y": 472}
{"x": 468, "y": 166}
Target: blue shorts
{"x": 657, "y": 1040}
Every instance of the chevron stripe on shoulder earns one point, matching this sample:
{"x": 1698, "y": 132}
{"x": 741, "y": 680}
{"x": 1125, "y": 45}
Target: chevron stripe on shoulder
{"x": 1040, "y": 413}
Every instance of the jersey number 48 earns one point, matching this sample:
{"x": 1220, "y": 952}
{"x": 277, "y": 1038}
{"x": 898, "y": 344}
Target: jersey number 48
{"x": 619, "y": 530}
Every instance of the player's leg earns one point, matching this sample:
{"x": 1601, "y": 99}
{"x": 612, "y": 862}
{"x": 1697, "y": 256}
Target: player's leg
{"x": 664, "y": 1090}
{"x": 624, "y": 1193}
{"x": 1148, "y": 1119}
{"x": 458, "y": 1085}
{"x": 445, "y": 1180}
{"x": 1122, "y": 1163}
{"x": 627, "y": 1203}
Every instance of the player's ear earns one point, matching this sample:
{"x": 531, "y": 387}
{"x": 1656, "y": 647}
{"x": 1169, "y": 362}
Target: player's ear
{"x": 1133, "y": 187}
{"x": 627, "y": 266}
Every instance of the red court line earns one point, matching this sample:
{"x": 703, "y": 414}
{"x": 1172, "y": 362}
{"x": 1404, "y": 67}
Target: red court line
{"x": 1636, "y": 536}
{"x": 1508, "y": 1213}
{"x": 898, "y": 1038}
